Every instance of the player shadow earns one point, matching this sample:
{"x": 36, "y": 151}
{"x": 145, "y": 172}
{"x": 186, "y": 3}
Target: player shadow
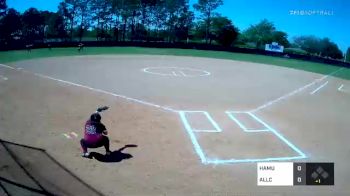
{"x": 115, "y": 156}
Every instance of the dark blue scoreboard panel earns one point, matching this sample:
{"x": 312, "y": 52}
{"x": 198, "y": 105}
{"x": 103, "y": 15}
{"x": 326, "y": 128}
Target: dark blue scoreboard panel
{"x": 294, "y": 174}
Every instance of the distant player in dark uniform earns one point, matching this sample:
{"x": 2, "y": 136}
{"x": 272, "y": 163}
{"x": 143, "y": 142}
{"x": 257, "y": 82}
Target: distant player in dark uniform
{"x": 29, "y": 47}
{"x": 95, "y": 135}
{"x": 80, "y": 47}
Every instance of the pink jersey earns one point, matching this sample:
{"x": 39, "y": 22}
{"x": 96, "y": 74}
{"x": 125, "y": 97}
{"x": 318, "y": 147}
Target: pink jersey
{"x": 93, "y": 131}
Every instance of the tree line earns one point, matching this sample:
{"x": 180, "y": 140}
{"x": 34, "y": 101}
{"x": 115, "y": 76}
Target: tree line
{"x": 148, "y": 20}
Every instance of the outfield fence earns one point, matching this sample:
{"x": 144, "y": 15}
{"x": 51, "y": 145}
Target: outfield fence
{"x": 176, "y": 45}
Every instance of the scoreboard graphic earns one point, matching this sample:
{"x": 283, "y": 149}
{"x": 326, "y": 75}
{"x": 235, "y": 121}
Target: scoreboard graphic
{"x": 294, "y": 174}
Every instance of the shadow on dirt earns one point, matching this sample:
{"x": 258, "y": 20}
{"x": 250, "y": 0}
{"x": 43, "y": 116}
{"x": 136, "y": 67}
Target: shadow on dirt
{"x": 115, "y": 156}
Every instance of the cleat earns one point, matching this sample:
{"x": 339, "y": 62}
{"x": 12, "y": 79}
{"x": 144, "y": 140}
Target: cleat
{"x": 86, "y": 155}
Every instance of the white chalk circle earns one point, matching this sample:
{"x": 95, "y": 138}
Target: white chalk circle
{"x": 176, "y": 71}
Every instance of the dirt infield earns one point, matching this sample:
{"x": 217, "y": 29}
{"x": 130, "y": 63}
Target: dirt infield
{"x": 200, "y": 125}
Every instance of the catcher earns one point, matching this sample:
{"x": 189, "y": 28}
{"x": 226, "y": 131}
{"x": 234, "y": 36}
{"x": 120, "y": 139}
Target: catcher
{"x": 95, "y": 134}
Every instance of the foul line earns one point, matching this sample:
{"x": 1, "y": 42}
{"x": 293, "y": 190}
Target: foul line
{"x": 97, "y": 90}
{"x": 9, "y": 67}
{"x": 294, "y": 92}
{"x": 279, "y": 135}
{"x": 317, "y": 89}
{"x": 109, "y": 93}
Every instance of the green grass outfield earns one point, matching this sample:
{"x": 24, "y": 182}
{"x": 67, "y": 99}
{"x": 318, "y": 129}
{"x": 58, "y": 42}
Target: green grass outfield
{"x": 12, "y": 56}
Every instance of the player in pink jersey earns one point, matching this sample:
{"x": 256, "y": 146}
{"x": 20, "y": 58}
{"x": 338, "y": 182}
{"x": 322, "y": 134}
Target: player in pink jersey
{"x": 95, "y": 135}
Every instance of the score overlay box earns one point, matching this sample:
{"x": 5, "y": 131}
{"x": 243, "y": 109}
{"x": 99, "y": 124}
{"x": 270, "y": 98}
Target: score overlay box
{"x": 291, "y": 174}
{"x": 275, "y": 174}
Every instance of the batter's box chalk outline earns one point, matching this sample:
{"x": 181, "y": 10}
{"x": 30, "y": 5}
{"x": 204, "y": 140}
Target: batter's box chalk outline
{"x": 205, "y": 160}
{"x": 341, "y": 89}
{"x": 230, "y": 114}
{"x": 210, "y": 119}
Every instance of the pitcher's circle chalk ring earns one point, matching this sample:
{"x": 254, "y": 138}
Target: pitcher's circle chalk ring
{"x": 176, "y": 71}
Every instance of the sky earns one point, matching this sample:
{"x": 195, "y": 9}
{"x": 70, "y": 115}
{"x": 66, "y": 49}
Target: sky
{"x": 285, "y": 14}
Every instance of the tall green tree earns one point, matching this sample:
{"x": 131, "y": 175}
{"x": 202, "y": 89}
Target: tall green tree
{"x": 102, "y": 12}
{"x": 159, "y": 18}
{"x": 146, "y": 7}
{"x": 281, "y": 38}
{"x": 129, "y": 13}
{"x": 330, "y": 49}
{"x": 10, "y": 25}
{"x": 55, "y": 26}
{"x": 70, "y": 10}
{"x": 198, "y": 30}
{"x": 184, "y": 24}
{"x": 207, "y": 8}
{"x": 310, "y": 44}
{"x": 223, "y": 31}
{"x": 3, "y": 7}
{"x": 33, "y": 25}
{"x": 265, "y": 32}
{"x": 64, "y": 14}
{"x": 217, "y": 24}
{"x": 179, "y": 19}
{"x": 347, "y": 55}
{"x": 316, "y": 46}
{"x": 260, "y": 34}
{"x": 47, "y": 16}
{"x": 116, "y": 9}
{"x": 84, "y": 16}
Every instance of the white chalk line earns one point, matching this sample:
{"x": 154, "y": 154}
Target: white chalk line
{"x": 108, "y": 93}
{"x": 181, "y": 72}
{"x": 70, "y": 135}
{"x": 98, "y": 90}
{"x": 74, "y": 134}
{"x": 340, "y": 89}
{"x": 153, "y": 70}
{"x": 66, "y": 135}
{"x": 294, "y": 92}
{"x": 6, "y": 66}
{"x": 317, "y": 89}
{"x": 3, "y": 77}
